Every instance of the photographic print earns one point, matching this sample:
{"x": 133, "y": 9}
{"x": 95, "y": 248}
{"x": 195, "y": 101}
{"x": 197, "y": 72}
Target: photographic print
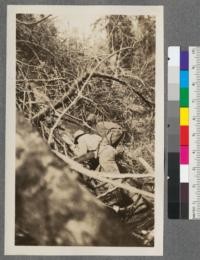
{"x": 84, "y": 130}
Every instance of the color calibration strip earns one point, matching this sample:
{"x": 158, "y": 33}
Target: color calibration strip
{"x": 183, "y": 133}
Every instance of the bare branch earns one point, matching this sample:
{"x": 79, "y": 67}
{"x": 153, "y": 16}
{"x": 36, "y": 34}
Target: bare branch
{"x": 126, "y": 175}
{"x": 41, "y": 80}
{"x": 96, "y": 175}
{"x": 81, "y": 91}
{"x": 106, "y": 193}
{"x": 77, "y": 121}
{"x": 33, "y": 23}
{"x": 146, "y": 165}
{"x": 73, "y": 88}
{"x": 36, "y": 45}
{"x": 60, "y": 117}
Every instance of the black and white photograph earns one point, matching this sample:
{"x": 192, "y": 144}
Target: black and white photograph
{"x": 84, "y": 130}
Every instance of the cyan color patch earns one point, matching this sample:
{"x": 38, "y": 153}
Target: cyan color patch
{"x": 184, "y": 79}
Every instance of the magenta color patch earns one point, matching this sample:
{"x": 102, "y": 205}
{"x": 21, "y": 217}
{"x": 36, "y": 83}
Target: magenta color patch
{"x": 184, "y": 154}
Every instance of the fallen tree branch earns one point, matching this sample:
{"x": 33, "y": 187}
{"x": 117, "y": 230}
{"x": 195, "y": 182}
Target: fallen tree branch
{"x": 81, "y": 91}
{"x": 95, "y": 75}
{"x": 146, "y": 165}
{"x": 62, "y": 101}
{"x": 134, "y": 77}
{"x": 126, "y": 175}
{"x": 73, "y": 88}
{"x": 36, "y": 45}
{"x": 95, "y": 175}
{"x": 76, "y": 121}
{"x": 71, "y": 105}
{"x": 33, "y": 23}
{"x": 107, "y": 192}
{"x": 40, "y": 80}
{"x": 93, "y": 103}
{"x": 122, "y": 82}
{"x": 86, "y": 77}
{"x": 60, "y": 117}
{"x": 150, "y": 152}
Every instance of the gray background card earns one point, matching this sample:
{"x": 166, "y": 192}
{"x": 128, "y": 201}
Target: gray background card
{"x": 182, "y": 27}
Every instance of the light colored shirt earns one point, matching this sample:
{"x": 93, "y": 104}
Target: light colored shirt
{"x": 87, "y": 143}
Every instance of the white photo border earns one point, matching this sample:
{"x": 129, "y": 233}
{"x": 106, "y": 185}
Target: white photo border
{"x": 10, "y": 248}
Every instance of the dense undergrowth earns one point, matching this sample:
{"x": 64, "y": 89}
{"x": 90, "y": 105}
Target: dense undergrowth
{"x": 60, "y": 79}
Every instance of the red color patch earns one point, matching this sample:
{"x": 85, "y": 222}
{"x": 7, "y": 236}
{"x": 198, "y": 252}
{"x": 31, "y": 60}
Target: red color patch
{"x": 184, "y": 135}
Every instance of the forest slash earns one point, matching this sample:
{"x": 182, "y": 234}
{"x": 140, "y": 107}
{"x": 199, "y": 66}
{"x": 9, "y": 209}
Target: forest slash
{"x": 72, "y": 93}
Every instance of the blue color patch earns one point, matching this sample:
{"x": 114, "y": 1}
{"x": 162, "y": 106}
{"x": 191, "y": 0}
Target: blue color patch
{"x": 184, "y": 79}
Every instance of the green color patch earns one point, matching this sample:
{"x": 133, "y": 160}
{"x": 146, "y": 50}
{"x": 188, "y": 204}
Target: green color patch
{"x": 184, "y": 97}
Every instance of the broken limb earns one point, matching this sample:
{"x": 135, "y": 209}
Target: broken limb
{"x": 93, "y": 174}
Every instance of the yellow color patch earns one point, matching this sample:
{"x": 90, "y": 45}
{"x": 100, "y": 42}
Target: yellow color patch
{"x": 184, "y": 116}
